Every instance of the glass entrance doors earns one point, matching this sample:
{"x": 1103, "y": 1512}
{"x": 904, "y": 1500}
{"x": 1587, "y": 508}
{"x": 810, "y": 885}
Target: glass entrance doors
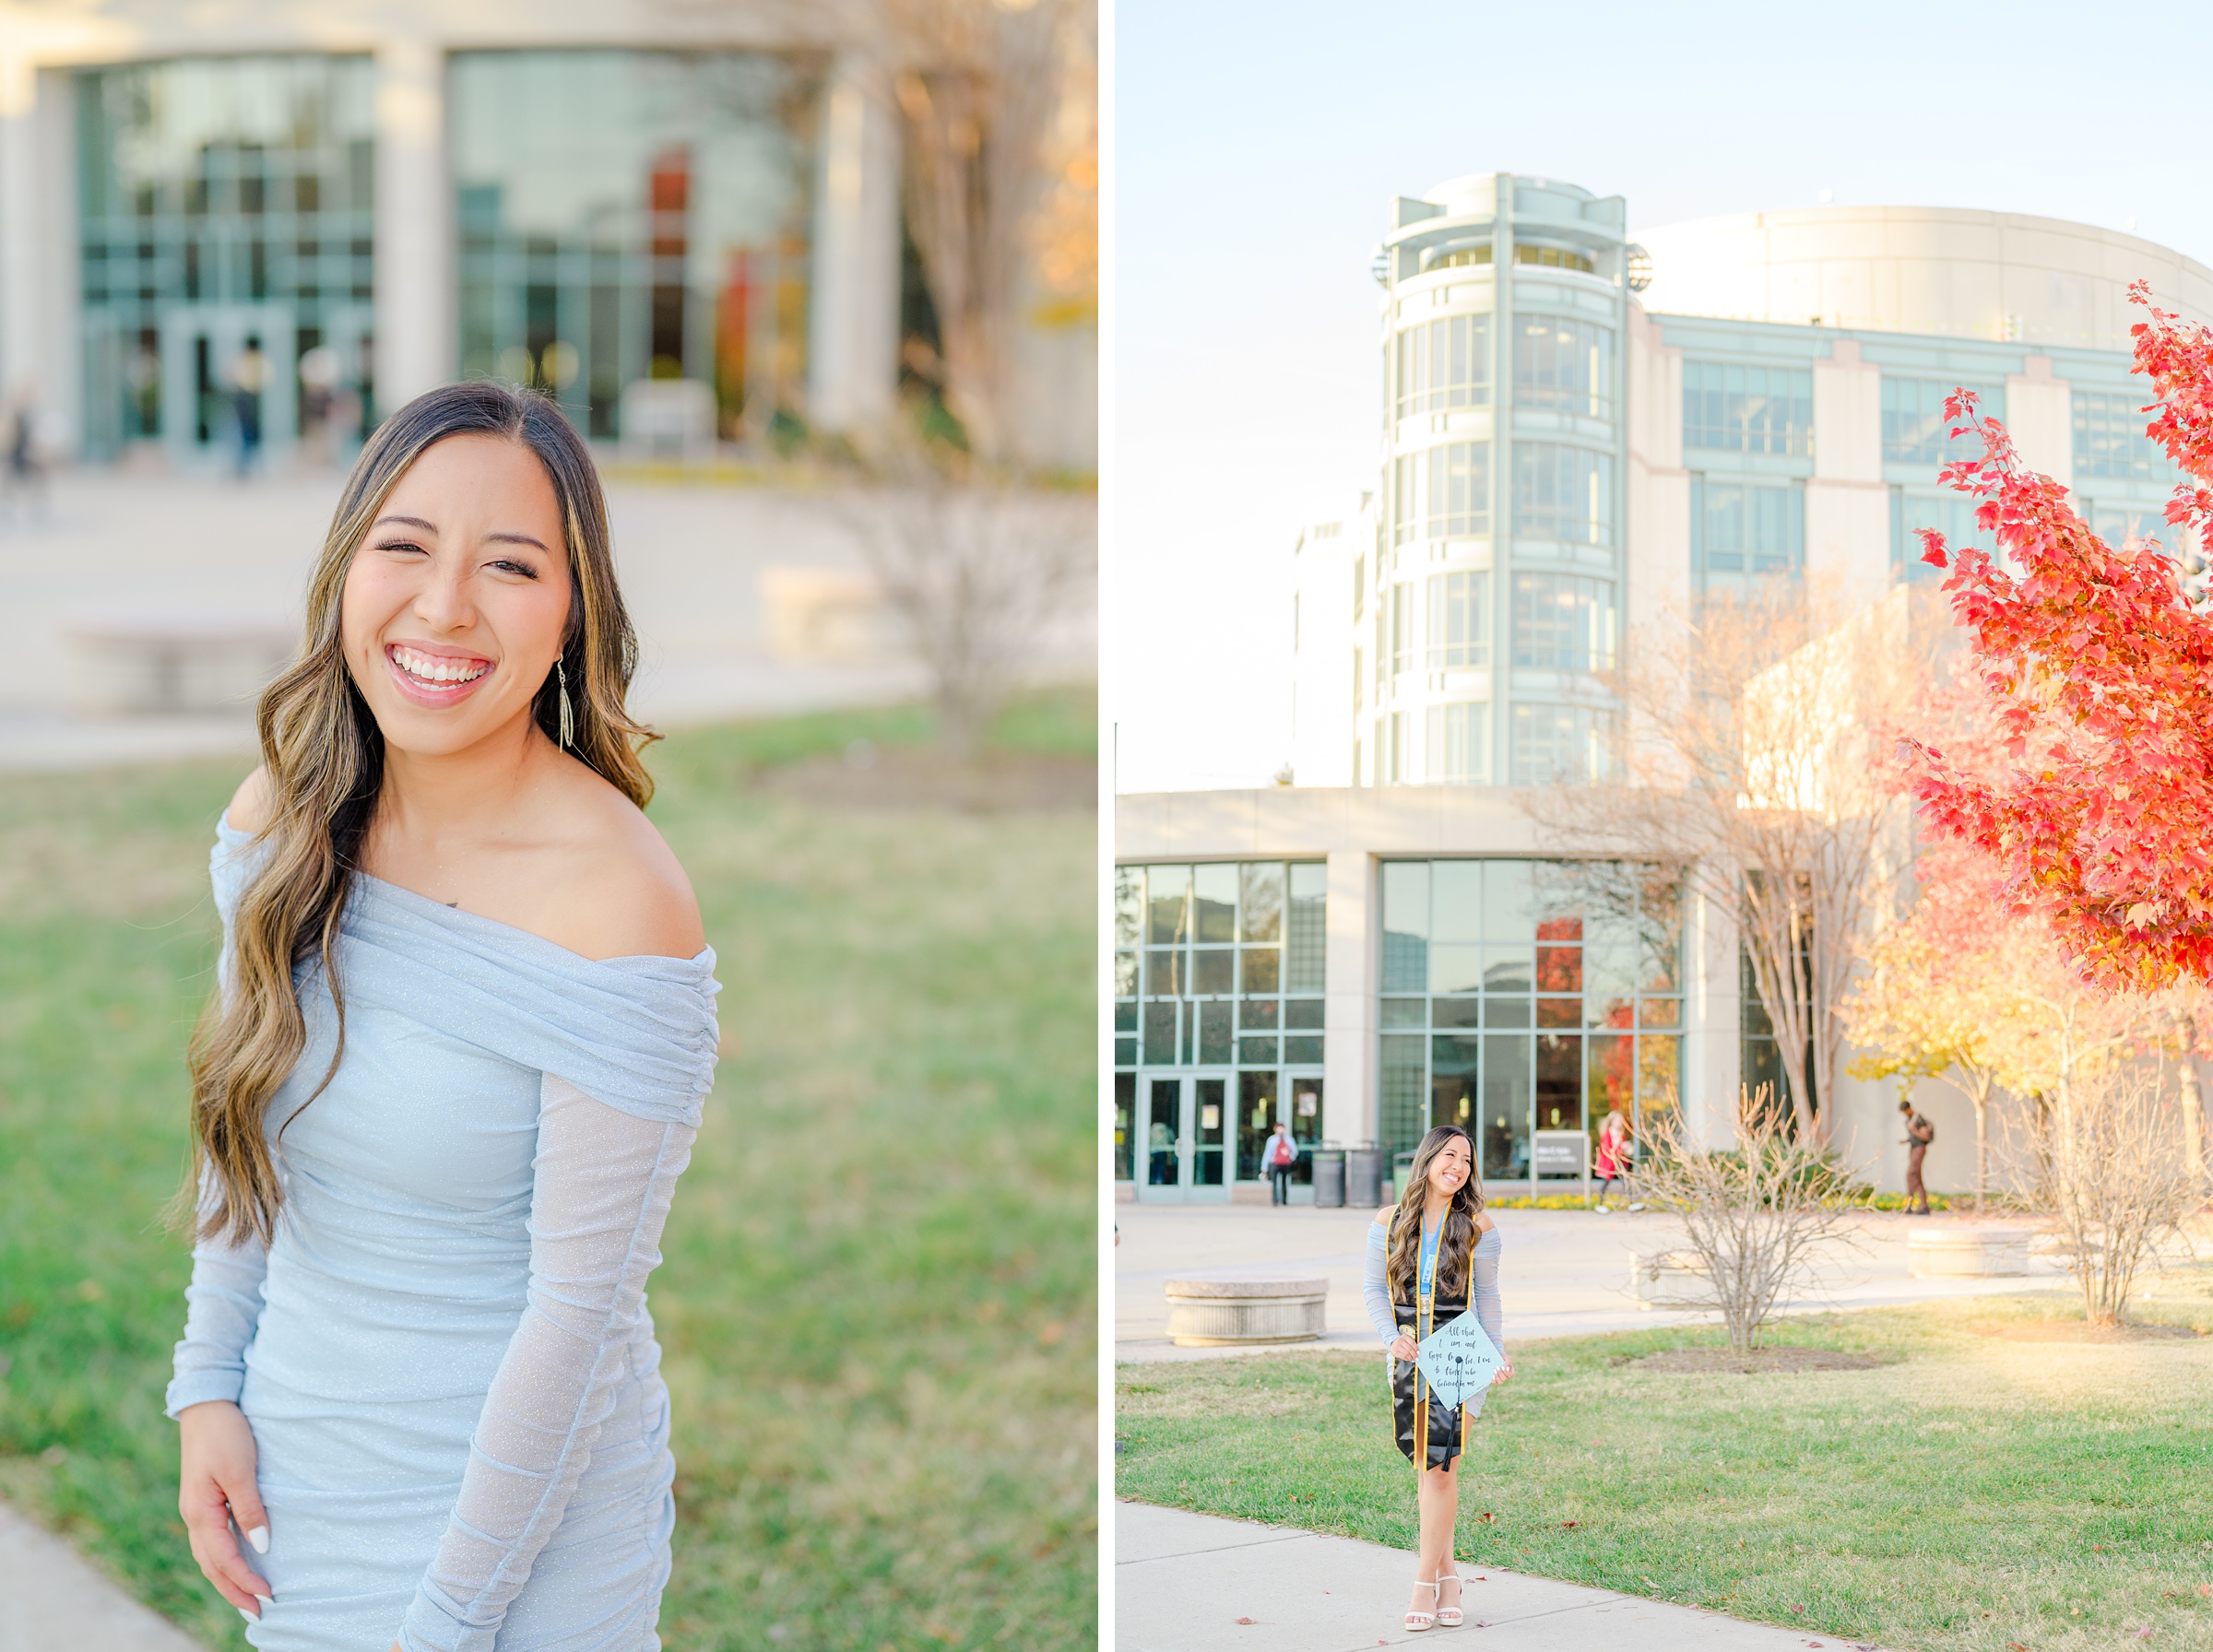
{"x": 227, "y": 370}
{"x": 1185, "y": 1128}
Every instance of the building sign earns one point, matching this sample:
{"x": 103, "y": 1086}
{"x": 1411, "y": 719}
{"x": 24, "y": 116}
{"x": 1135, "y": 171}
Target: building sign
{"x": 1560, "y": 1152}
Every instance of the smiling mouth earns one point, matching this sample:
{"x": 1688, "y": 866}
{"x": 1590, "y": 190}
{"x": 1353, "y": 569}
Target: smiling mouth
{"x": 434, "y": 673}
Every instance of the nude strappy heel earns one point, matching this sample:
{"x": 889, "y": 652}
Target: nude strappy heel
{"x": 1449, "y": 1617}
{"x": 1418, "y": 1621}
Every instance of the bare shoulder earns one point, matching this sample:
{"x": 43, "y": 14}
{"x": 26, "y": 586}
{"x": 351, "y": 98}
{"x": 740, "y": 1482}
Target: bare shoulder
{"x": 251, "y": 805}
{"x": 1483, "y": 1223}
{"x": 624, "y": 894}
{"x": 1383, "y": 1217}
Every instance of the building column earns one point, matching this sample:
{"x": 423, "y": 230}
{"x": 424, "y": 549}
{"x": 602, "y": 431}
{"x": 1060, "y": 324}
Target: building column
{"x": 1847, "y": 506}
{"x": 2040, "y": 417}
{"x": 1713, "y": 1042}
{"x": 415, "y": 274}
{"x": 853, "y": 322}
{"x": 21, "y": 249}
{"x": 1348, "y": 1097}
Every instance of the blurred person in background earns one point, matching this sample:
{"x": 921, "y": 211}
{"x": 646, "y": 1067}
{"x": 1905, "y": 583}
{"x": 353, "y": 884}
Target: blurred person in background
{"x": 26, "y": 475}
{"x": 1432, "y": 1257}
{"x": 1614, "y": 1151}
{"x": 1282, "y": 1158}
{"x": 249, "y": 378}
{"x": 453, "y": 1068}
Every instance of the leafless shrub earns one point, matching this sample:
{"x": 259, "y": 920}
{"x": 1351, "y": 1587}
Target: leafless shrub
{"x": 1759, "y": 1215}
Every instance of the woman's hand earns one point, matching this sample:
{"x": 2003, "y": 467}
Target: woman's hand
{"x": 214, "y": 1486}
{"x": 1503, "y": 1372}
{"x": 1405, "y": 1349}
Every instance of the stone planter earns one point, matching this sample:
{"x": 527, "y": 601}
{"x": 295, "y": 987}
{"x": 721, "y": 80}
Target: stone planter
{"x": 1967, "y": 1251}
{"x": 1232, "y": 1313}
{"x": 1669, "y": 1278}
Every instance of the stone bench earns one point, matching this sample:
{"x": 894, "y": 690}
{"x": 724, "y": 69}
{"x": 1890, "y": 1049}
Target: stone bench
{"x": 1967, "y": 1251}
{"x": 1669, "y": 1278}
{"x": 125, "y": 665}
{"x": 1233, "y": 1313}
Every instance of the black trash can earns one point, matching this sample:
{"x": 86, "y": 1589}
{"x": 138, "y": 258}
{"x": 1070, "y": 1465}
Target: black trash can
{"x": 1329, "y": 1177}
{"x": 1364, "y": 1177}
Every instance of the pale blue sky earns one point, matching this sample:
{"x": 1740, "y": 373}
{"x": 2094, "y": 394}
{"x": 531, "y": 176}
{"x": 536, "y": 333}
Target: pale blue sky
{"x": 1257, "y": 146}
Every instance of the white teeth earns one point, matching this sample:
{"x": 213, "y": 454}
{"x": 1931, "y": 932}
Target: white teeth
{"x": 427, "y": 669}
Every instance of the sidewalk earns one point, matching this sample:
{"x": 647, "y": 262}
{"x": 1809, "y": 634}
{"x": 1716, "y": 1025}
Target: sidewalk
{"x": 1193, "y": 1581}
{"x": 55, "y": 1602}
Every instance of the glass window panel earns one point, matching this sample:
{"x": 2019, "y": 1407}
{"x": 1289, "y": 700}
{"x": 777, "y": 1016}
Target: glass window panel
{"x": 1608, "y": 1012}
{"x": 2109, "y": 439}
{"x": 1125, "y": 974}
{"x": 1404, "y": 1012}
{"x": 1560, "y": 970}
{"x": 1660, "y": 932}
{"x": 1460, "y": 624}
{"x": 1742, "y": 531}
{"x": 1305, "y": 1114}
{"x": 1214, "y": 1027}
{"x": 1125, "y": 1052}
{"x": 1564, "y": 365}
{"x": 1508, "y": 969}
{"x": 1562, "y": 492}
{"x": 1211, "y": 1097}
{"x": 1302, "y": 1051}
{"x": 1124, "y": 1017}
{"x": 1444, "y": 364}
{"x": 1305, "y": 951}
{"x": 1564, "y": 622}
{"x": 1455, "y": 966}
{"x": 1164, "y": 1122}
{"x": 1509, "y": 902}
{"x": 1258, "y": 1015}
{"x": 1560, "y": 744}
{"x": 1160, "y": 1034}
{"x": 1262, "y": 968}
{"x": 1459, "y": 743}
{"x": 1460, "y": 489}
{"x": 1255, "y": 1051}
{"x": 1733, "y": 408}
{"x": 1125, "y": 1125}
{"x": 1659, "y": 1069}
{"x": 1951, "y": 514}
{"x": 1506, "y": 1012}
{"x": 1915, "y": 430}
{"x": 1128, "y": 905}
{"x": 1455, "y": 1012}
{"x": 1260, "y": 902}
{"x": 1302, "y": 1012}
{"x": 1560, "y": 1013}
{"x": 1506, "y": 1107}
{"x": 1559, "y": 1082}
{"x": 1405, "y": 925}
{"x": 1214, "y": 970}
{"x": 1453, "y": 1067}
{"x": 1214, "y": 903}
{"x": 1256, "y": 1120}
{"x": 1610, "y": 955}
{"x": 1456, "y": 899}
{"x": 1659, "y": 1012}
{"x": 1168, "y": 895}
{"x": 1610, "y": 1084}
{"x": 1403, "y": 1117}
{"x": 1163, "y": 973}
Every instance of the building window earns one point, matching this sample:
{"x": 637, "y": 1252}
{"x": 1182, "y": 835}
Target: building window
{"x": 1444, "y": 364}
{"x": 1563, "y": 622}
{"x": 226, "y": 202}
{"x": 2122, "y": 526}
{"x": 1454, "y": 480}
{"x": 1460, "y": 621}
{"x": 1551, "y": 257}
{"x": 1459, "y": 258}
{"x": 1399, "y": 753}
{"x": 1915, "y": 430}
{"x": 1951, "y": 514}
{"x": 633, "y": 216}
{"x": 1223, "y": 965}
{"x": 1564, "y": 366}
{"x": 2109, "y": 439}
{"x": 1402, "y": 628}
{"x": 1735, "y": 409}
{"x": 1359, "y": 587}
{"x": 1746, "y": 530}
{"x": 1520, "y": 996}
{"x": 1459, "y": 745}
{"x": 1561, "y": 745}
{"x": 1563, "y": 493}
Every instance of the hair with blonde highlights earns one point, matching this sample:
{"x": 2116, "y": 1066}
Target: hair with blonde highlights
{"x": 1456, "y": 1244}
{"x": 324, "y": 757}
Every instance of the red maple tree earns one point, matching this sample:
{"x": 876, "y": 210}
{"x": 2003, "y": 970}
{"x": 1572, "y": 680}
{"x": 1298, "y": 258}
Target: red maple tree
{"x": 2098, "y": 672}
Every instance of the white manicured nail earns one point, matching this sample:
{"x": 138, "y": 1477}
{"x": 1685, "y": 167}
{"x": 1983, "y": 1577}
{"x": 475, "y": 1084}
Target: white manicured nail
{"x": 265, "y": 1601}
{"x": 245, "y": 1614}
{"x": 259, "y": 1538}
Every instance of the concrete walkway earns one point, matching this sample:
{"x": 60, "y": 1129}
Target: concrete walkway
{"x": 1564, "y": 1273}
{"x": 1193, "y": 1583}
{"x": 52, "y": 1602}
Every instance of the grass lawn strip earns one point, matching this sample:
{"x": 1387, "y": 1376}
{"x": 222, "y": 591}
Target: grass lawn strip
{"x": 1966, "y": 1491}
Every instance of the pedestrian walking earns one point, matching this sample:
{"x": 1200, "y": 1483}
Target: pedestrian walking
{"x": 1161, "y": 1144}
{"x": 1920, "y": 1132}
{"x": 1282, "y": 1159}
{"x": 1431, "y": 1259}
{"x": 1612, "y": 1158}
{"x": 249, "y": 377}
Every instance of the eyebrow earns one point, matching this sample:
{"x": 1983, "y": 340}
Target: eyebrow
{"x": 432, "y": 527}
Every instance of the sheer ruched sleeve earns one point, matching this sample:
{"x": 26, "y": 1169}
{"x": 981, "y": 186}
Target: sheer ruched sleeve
{"x": 1490, "y": 1312}
{"x": 602, "y": 1181}
{"x": 1375, "y": 1286}
{"x": 222, "y": 1303}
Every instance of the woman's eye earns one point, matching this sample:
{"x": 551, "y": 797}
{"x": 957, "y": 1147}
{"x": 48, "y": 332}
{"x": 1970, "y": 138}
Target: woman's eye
{"x": 522, "y": 568}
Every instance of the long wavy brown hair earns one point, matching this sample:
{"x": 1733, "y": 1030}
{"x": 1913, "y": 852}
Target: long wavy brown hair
{"x": 1457, "y": 1243}
{"x": 326, "y": 762}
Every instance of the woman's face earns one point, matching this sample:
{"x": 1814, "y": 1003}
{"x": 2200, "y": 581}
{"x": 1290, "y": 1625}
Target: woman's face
{"x": 1450, "y": 1169}
{"x": 456, "y": 604}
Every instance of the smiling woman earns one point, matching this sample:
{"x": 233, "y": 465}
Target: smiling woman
{"x": 451, "y": 1073}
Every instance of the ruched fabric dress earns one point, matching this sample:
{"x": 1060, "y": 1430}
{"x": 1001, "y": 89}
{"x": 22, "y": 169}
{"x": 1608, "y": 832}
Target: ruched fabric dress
{"x": 445, "y": 1353}
{"x": 1430, "y": 1434}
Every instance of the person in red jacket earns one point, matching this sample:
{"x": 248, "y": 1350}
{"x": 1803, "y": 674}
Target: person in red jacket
{"x": 1280, "y": 1156}
{"x": 1614, "y": 1153}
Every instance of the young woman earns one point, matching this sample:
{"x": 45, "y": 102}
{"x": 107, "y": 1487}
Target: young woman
{"x": 463, "y": 1028}
{"x": 1430, "y": 1260}
{"x": 1613, "y": 1155}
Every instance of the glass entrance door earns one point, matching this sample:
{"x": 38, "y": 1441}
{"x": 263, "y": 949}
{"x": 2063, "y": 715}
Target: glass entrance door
{"x": 1186, "y": 1131}
{"x": 207, "y": 389}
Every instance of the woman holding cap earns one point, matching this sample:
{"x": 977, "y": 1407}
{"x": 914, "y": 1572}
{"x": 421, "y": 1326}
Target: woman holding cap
{"x": 1431, "y": 1259}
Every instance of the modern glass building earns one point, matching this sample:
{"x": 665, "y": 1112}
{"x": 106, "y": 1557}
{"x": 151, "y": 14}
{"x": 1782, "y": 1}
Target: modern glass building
{"x": 1584, "y": 432}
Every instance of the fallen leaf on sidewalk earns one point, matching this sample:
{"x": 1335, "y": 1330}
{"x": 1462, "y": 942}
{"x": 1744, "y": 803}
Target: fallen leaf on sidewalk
{"x": 1244, "y": 1620}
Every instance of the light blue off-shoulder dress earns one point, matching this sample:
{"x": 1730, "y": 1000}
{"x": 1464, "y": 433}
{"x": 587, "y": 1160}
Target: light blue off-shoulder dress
{"x": 444, "y": 1351}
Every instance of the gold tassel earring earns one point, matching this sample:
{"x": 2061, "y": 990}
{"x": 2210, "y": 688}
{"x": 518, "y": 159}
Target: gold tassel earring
{"x": 568, "y": 718}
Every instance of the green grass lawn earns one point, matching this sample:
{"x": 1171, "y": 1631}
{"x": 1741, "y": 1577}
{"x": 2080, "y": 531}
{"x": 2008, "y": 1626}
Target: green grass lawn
{"x": 878, "y": 1300}
{"x": 1970, "y": 1491}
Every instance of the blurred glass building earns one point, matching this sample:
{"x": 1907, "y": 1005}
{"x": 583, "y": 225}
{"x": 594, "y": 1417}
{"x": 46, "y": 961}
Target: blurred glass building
{"x": 684, "y": 222}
